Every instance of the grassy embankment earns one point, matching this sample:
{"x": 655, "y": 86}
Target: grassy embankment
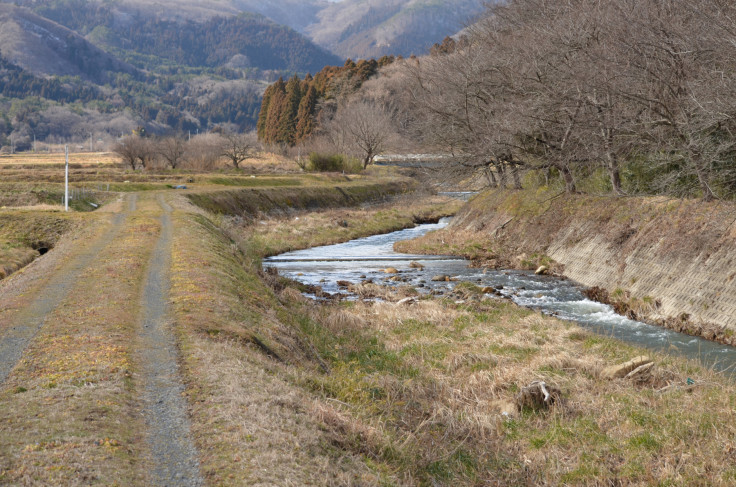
{"x": 646, "y": 256}
{"x": 24, "y": 233}
{"x": 286, "y": 390}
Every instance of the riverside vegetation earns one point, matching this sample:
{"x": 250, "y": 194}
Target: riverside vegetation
{"x": 285, "y": 390}
{"x": 413, "y": 395}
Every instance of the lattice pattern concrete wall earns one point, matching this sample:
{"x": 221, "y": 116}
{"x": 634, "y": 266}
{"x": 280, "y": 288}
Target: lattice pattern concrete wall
{"x": 681, "y": 253}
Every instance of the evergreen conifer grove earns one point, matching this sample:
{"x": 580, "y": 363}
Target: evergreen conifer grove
{"x": 290, "y": 109}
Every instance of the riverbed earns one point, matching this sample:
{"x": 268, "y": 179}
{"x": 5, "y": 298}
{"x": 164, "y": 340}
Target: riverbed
{"x": 365, "y": 259}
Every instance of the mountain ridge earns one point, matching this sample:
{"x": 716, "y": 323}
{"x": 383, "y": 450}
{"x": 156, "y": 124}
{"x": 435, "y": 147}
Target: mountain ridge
{"x": 349, "y": 28}
{"x": 45, "y": 48}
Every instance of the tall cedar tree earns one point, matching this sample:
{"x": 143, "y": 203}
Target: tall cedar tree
{"x": 273, "y": 115}
{"x": 261, "y": 124}
{"x": 305, "y": 123}
{"x": 287, "y": 121}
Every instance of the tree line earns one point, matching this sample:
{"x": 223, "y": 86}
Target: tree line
{"x": 621, "y": 97}
{"x": 643, "y": 91}
{"x": 291, "y": 111}
{"x": 202, "y": 152}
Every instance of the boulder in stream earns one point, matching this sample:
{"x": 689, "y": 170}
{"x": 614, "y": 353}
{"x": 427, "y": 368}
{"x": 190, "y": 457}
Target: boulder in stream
{"x": 543, "y": 270}
{"x": 390, "y": 270}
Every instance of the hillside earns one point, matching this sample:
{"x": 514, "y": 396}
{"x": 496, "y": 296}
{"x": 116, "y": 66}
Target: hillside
{"x": 74, "y": 69}
{"x": 151, "y": 36}
{"x": 44, "y": 47}
{"x": 348, "y": 28}
{"x": 373, "y": 28}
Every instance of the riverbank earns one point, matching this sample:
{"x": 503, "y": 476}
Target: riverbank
{"x": 277, "y": 233}
{"x": 284, "y": 389}
{"x": 656, "y": 259}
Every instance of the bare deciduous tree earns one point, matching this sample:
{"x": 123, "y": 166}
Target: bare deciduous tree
{"x": 172, "y": 150}
{"x": 574, "y": 87}
{"x": 238, "y": 147}
{"x": 134, "y": 149}
{"x": 204, "y": 151}
{"x": 361, "y": 128}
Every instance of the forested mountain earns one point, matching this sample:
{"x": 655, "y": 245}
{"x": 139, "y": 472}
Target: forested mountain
{"x": 373, "y": 28}
{"x": 72, "y": 69}
{"x": 106, "y": 71}
{"x": 45, "y": 47}
{"x": 349, "y": 28}
{"x": 242, "y": 41}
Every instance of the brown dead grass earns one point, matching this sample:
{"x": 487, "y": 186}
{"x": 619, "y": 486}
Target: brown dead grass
{"x": 273, "y": 234}
{"x": 241, "y": 358}
{"x": 22, "y": 232}
{"x": 86, "y": 158}
{"x": 468, "y": 361}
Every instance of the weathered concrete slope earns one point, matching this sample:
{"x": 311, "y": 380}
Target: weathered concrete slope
{"x": 680, "y": 253}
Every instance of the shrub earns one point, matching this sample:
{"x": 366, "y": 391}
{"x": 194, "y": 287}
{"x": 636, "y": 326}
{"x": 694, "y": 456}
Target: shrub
{"x": 320, "y": 162}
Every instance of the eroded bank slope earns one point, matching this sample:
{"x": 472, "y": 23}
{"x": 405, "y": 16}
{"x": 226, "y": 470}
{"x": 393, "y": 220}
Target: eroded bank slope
{"x": 663, "y": 259}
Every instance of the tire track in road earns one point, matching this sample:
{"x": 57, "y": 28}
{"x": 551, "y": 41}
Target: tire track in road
{"x": 15, "y": 341}
{"x": 175, "y": 459}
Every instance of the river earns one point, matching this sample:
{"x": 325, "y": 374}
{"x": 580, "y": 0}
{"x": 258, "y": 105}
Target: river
{"x": 361, "y": 259}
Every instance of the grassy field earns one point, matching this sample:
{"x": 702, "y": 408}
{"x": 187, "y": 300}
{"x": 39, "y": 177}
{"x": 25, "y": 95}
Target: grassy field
{"x": 57, "y": 158}
{"x": 32, "y": 192}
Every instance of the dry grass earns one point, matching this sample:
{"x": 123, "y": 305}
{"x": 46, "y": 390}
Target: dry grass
{"x": 242, "y": 351}
{"x": 86, "y": 158}
{"x": 13, "y": 259}
{"x": 276, "y": 234}
{"x": 23, "y": 232}
{"x": 430, "y": 378}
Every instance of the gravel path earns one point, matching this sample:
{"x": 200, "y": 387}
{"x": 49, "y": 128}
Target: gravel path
{"x": 175, "y": 459}
{"x": 30, "y": 321}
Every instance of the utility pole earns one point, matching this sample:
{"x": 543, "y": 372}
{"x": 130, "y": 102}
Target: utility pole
{"x": 66, "y": 178}
{"x": 12, "y": 144}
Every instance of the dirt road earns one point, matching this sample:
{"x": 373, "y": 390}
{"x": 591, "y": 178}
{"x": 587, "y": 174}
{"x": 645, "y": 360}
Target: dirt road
{"x": 90, "y": 390}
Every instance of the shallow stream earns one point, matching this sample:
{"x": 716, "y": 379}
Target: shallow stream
{"x": 365, "y": 258}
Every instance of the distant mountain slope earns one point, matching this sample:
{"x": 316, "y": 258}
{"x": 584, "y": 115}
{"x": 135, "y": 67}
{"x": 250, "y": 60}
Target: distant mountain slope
{"x": 243, "y": 41}
{"x": 373, "y": 28}
{"x": 219, "y": 38}
{"x": 43, "y": 47}
{"x": 348, "y": 28}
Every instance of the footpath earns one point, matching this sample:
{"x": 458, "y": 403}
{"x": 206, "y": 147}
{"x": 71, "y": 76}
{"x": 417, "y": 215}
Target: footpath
{"x": 90, "y": 390}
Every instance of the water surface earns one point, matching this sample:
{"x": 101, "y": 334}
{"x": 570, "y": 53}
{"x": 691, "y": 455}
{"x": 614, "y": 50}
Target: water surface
{"x": 365, "y": 258}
